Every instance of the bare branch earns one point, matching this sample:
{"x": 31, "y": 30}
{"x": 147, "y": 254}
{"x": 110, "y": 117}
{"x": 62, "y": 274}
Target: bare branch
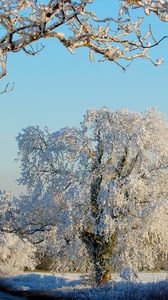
{"x": 8, "y": 88}
{"x": 33, "y": 51}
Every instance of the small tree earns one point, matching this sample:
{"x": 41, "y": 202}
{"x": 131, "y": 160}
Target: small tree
{"x": 116, "y": 38}
{"x": 26, "y": 231}
{"x": 16, "y": 254}
{"x": 110, "y": 182}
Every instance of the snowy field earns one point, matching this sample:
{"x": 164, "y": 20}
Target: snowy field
{"x": 77, "y": 286}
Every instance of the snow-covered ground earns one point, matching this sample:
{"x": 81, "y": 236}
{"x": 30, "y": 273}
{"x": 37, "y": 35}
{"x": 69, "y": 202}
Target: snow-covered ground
{"x": 152, "y": 276}
{"x": 77, "y": 286}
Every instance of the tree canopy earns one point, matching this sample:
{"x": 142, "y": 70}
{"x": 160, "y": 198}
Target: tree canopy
{"x": 109, "y": 180}
{"x": 75, "y": 24}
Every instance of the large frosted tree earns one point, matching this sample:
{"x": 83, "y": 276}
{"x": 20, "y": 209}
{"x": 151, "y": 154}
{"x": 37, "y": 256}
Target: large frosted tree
{"x": 109, "y": 180}
{"x": 118, "y": 37}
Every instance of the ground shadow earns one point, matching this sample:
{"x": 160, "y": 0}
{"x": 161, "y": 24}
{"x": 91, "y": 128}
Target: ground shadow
{"x": 51, "y": 287}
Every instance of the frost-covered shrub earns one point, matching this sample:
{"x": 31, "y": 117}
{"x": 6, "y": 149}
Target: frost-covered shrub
{"x": 15, "y": 254}
{"x": 128, "y": 274}
{"x": 63, "y": 253}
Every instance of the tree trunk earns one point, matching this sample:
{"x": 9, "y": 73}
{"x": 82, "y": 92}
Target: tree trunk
{"x": 99, "y": 247}
{"x": 100, "y": 252}
{"x": 102, "y": 268}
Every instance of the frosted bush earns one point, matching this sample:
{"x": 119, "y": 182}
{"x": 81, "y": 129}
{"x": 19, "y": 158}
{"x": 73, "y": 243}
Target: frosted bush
{"x": 15, "y": 254}
{"x": 128, "y": 274}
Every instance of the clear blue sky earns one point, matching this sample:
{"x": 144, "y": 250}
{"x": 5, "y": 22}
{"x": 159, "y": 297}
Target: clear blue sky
{"x": 55, "y": 88}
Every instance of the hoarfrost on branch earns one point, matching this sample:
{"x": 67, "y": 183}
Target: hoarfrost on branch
{"x": 75, "y": 24}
